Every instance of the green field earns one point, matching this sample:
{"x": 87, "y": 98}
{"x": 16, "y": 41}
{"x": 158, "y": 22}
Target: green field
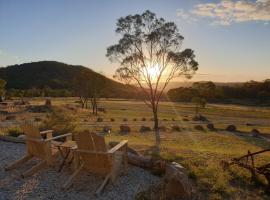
{"x": 199, "y": 151}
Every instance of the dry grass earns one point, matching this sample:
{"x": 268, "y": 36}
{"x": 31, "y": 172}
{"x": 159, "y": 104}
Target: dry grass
{"x": 199, "y": 152}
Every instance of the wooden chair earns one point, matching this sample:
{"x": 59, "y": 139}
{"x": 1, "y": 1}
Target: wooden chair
{"x": 94, "y": 157}
{"x": 37, "y": 147}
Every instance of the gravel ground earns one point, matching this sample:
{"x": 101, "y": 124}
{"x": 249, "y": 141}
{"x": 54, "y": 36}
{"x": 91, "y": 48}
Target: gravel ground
{"x": 46, "y": 183}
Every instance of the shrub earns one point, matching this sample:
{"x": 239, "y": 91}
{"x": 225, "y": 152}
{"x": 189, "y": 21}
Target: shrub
{"x": 211, "y": 127}
{"x": 124, "y": 129}
{"x": 176, "y": 128}
{"x": 59, "y": 122}
{"x": 11, "y": 117}
{"x": 199, "y": 128}
{"x": 125, "y": 120}
{"x": 48, "y": 103}
{"x": 135, "y": 119}
{"x": 200, "y": 118}
{"x": 145, "y": 129}
{"x": 107, "y": 129}
{"x": 143, "y": 119}
{"x": 162, "y": 128}
{"x": 255, "y": 133}
{"x": 231, "y": 128}
{"x": 99, "y": 119}
{"x": 112, "y": 119}
{"x": 185, "y": 119}
{"x": 14, "y": 132}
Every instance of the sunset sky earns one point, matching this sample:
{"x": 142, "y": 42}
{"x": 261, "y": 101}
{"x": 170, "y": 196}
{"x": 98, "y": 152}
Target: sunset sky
{"x": 231, "y": 39}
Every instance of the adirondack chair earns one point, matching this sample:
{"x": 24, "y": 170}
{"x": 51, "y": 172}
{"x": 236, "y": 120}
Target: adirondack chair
{"x": 95, "y": 158}
{"x": 37, "y": 147}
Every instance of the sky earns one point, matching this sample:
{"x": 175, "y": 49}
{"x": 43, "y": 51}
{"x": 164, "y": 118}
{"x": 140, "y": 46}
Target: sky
{"x": 231, "y": 39}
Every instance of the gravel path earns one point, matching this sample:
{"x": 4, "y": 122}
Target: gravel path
{"x": 46, "y": 183}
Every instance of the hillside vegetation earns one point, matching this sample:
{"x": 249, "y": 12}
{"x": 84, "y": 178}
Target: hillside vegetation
{"x": 52, "y": 75}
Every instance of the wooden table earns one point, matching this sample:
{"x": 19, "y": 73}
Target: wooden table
{"x": 65, "y": 149}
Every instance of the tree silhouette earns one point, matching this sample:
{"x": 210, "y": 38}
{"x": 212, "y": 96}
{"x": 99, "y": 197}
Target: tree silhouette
{"x": 150, "y": 56}
{"x": 2, "y": 89}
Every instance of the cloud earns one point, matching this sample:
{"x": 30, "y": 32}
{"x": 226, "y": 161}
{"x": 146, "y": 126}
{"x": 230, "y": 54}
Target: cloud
{"x": 227, "y": 12}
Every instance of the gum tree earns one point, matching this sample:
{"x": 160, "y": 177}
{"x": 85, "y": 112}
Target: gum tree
{"x": 150, "y": 55}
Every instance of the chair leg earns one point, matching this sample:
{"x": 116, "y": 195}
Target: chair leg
{"x": 19, "y": 162}
{"x": 101, "y": 187}
{"x": 34, "y": 169}
{"x": 71, "y": 178}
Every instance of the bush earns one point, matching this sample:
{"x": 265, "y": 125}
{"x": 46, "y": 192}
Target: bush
{"x": 176, "y": 128}
{"x": 11, "y": 117}
{"x": 48, "y": 103}
{"x": 99, "y": 119}
{"x": 124, "y": 129}
{"x": 135, "y": 119}
{"x": 107, "y": 129}
{"x": 145, "y": 129}
{"x": 162, "y": 128}
{"x": 231, "y": 128}
{"x": 185, "y": 119}
{"x": 199, "y": 128}
{"x": 143, "y": 119}
{"x": 211, "y": 127}
{"x": 200, "y": 118}
{"x": 59, "y": 122}
{"x": 112, "y": 119}
{"x": 125, "y": 120}
{"x": 14, "y": 132}
{"x": 255, "y": 133}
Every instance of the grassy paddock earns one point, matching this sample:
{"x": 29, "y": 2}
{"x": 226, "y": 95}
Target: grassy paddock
{"x": 199, "y": 151}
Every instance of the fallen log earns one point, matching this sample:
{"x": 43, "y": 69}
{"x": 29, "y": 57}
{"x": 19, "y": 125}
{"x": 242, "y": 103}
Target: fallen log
{"x": 136, "y": 159}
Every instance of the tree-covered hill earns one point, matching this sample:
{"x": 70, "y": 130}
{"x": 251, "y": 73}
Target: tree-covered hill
{"x": 57, "y": 75}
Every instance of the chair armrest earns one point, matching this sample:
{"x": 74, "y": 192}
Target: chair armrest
{"x": 48, "y": 133}
{"x": 59, "y": 136}
{"x": 118, "y": 146}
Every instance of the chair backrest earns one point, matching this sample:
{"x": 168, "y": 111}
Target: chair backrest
{"x": 93, "y": 152}
{"x": 34, "y": 142}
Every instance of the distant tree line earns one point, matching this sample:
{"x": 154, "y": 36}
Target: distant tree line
{"x": 257, "y": 92}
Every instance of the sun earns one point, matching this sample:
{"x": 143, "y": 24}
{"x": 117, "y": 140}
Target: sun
{"x": 152, "y": 71}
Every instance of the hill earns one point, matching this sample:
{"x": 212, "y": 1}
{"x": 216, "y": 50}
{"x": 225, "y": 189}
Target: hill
{"x": 56, "y": 75}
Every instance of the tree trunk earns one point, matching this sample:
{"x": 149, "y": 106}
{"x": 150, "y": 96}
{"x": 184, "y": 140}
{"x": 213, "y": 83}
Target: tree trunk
{"x": 156, "y": 128}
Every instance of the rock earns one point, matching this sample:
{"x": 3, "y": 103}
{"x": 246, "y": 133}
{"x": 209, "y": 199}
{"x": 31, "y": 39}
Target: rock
{"x": 11, "y": 117}
{"x": 200, "y": 118}
{"x": 145, "y": 129}
{"x": 255, "y": 133}
{"x": 107, "y": 129}
{"x": 199, "y": 127}
{"x": 21, "y": 137}
{"x": 124, "y": 129}
{"x": 231, "y": 128}
{"x": 176, "y": 128}
{"x": 176, "y": 182}
{"x": 153, "y": 192}
{"x": 211, "y": 127}
{"x": 99, "y": 119}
